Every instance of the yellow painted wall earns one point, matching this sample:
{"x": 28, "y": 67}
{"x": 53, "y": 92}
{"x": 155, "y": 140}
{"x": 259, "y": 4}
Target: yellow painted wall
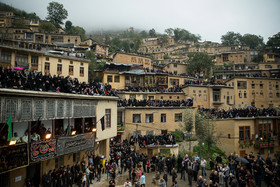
{"x": 157, "y": 125}
{"x": 114, "y": 84}
{"x": 261, "y": 96}
{"x": 16, "y": 173}
{"x": 128, "y": 59}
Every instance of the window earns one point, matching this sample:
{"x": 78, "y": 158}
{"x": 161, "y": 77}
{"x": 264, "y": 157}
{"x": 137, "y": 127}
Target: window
{"x": 277, "y": 86}
{"x": 205, "y": 97}
{"x": 6, "y": 56}
{"x": 34, "y": 61}
{"x": 47, "y": 67}
{"x": 59, "y": 68}
{"x": 175, "y": 65}
{"x": 277, "y": 95}
{"x": 59, "y": 60}
{"x": 149, "y": 118}
{"x": 261, "y": 86}
{"x": 245, "y": 95}
{"x": 117, "y": 78}
{"x": 82, "y": 64}
{"x": 136, "y": 118}
{"x": 71, "y": 70}
{"x": 71, "y": 62}
{"x": 178, "y": 117}
{"x": 268, "y": 66}
{"x": 47, "y": 58}
{"x": 163, "y": 118}
{"x": 108, "y": 117}
{"x": 270, "y": 95}
{"x": 240, "y": 95}
{"x": 109, "y": 78}
{"x": 81, "y": 71}
{"x": 244, "y": 133}
{"x": 253, "y": 86}
{"x": 242, "y": 84}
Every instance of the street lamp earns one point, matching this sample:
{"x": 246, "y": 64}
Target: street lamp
{"x": 73, "y": 133}
{"x": 94, "y": 130}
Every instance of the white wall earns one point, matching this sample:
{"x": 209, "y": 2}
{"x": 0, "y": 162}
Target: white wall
{"x": 47, "y": 124}
{"x": 20, "y": 128}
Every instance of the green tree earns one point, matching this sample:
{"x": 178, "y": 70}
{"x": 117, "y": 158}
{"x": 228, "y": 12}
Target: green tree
{"x": 253, "y": 41}
{"x": 169, "y": 31}
{"x": 143, "y": 34}
{"x": 164, "y": 39}
{"x": 258, "y": 58}
{"x": 274, "y": 42}
{"x": 152, "y": 33}
{"x": 68, "y": 26}
{"x": 94, "y": 65}
{"x": 188, "y": 123}
{"x": 184, "y": 35}
{"x": 115, "y": 44}
{"x": 205, "y": 130}
{"x": 80, "y": 31}
{"x": 46, "y": 26}
{"x": 56, "y": 13}
{"x": 137, "y": 41}
{"x": 199, "y": 62}
{"x": 231, "y": 38}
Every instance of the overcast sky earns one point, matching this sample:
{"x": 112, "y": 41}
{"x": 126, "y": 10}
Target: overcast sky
{"x": 209, "y": 18}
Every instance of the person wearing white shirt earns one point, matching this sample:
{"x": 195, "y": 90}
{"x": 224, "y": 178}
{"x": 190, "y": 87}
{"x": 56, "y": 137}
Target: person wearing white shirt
{"x": 25, "y": 137}
{"x": 127, "y": 183}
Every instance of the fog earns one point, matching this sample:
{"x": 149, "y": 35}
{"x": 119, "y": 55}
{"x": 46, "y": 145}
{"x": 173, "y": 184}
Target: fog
{"x": 209, "y": 18}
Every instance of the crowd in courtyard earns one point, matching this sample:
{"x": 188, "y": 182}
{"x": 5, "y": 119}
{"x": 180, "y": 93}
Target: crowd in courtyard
{"x": 167, "y": 170}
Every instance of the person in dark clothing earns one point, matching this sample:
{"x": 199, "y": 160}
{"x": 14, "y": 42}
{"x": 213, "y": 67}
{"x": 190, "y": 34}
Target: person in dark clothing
{"x": 69, "y": 177}
{"x": 46, "y": 179}
{"x": 174, "y": 175}
{"x": 165, "y": 176}
{"x": 190, "y": 175}
{"x": 195, "y": 170}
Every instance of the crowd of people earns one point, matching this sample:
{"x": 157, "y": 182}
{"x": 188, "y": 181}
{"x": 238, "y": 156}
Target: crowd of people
{"x": 36, "y": 81}
{"x": 239, "y": 112}
{"x": 154, "y": 103}
{"x": 203, "y": 82}
{"x": 80, "y": 173}
{"x": 250, "y": 170}
{"x": 175, "y": 89}
{"x": 164, "y": 139}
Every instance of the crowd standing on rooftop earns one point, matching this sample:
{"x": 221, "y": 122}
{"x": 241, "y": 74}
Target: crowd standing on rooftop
{"x": 36, "y": 81}
{"x": 239, "y": 112}
{"x": 154, "y": 103}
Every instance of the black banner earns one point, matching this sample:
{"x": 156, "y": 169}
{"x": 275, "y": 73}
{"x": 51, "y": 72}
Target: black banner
{"x": 72, "y": 144}
{"x": 12, "y": 157}
{"x": 42, "y": 150}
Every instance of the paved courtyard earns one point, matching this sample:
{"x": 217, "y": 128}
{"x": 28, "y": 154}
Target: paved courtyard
{"x": 121, "y": 178}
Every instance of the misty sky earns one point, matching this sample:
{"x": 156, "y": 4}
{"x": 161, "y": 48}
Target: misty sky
{"x": 209, "y": 18}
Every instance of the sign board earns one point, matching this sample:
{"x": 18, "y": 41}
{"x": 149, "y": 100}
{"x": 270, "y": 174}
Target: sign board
{"x": 42, "y": 150}
{"x": 72, "y": 144}
{"x": 17, "y": 179}
{"x": 12, "y": 157}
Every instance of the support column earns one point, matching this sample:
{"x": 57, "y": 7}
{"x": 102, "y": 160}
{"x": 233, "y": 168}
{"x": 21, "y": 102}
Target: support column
{"x": 29, "y": 131}
{"x": 83, "y": 125}
{"x": 53, "y": 128}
